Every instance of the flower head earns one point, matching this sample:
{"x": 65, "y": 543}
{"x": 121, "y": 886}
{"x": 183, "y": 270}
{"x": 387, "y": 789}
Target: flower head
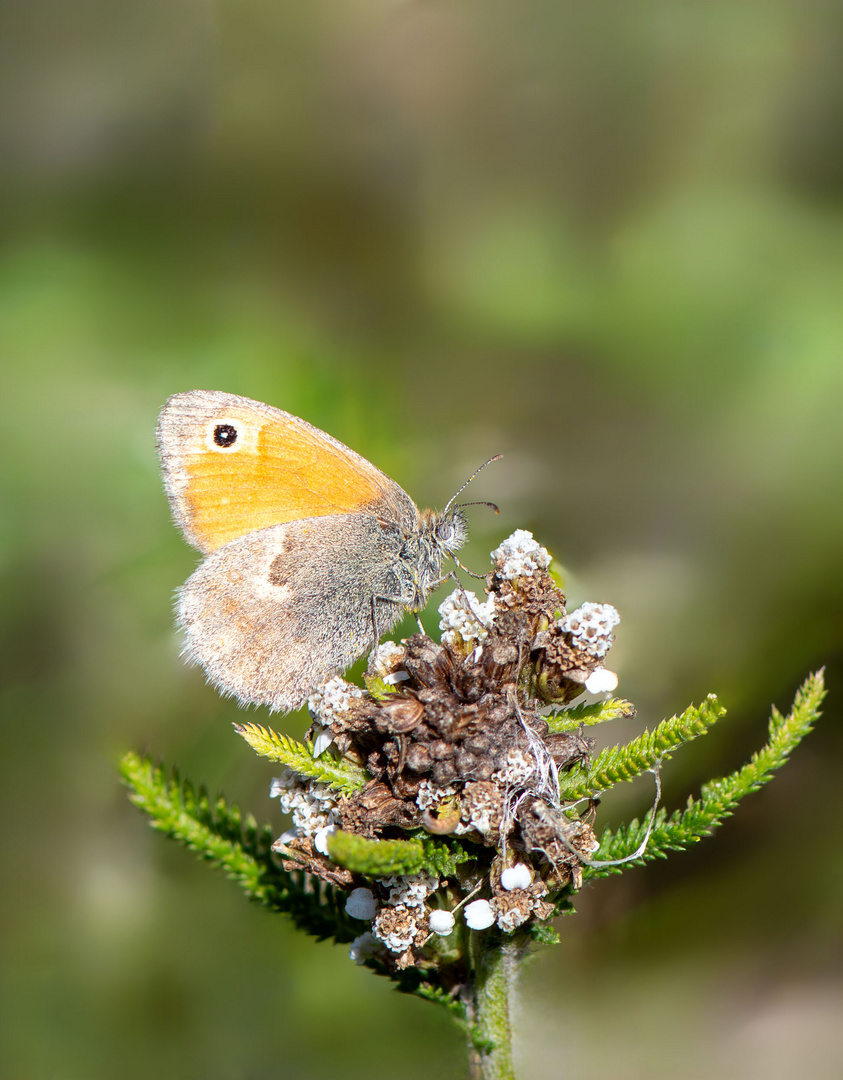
{"x": 457, "y": 745}
{"x": 313, "y": 805}
{"x": 590, "y": 627}
{"x": 465, "y": 620}
{"x": 520, "y": 556}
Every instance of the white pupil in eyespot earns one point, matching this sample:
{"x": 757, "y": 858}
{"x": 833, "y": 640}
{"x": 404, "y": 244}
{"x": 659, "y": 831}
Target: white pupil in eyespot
{"x": 225, "y": 435}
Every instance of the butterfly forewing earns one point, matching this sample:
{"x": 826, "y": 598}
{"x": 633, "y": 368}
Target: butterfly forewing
{"x": 233, "y": 466}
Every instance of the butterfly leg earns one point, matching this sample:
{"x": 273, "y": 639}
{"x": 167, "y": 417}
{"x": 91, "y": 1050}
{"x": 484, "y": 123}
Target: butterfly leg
{"x": 470, "y": 573}
{"x": 465, "y": 597}
{"x": 450, "y": 576}
{"x": 402, "y": 601}
{"x": 375, "y": 634}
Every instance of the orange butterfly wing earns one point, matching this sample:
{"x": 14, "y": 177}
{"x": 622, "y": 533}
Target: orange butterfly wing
{"x": 232, "y": 466}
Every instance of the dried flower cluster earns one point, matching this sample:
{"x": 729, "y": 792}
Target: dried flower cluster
{"x": 454, "y": 738}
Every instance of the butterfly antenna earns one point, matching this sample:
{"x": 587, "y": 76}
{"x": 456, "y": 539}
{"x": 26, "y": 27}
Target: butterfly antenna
{"x": 494, "y": 506}
{"x": 451, "y": 501}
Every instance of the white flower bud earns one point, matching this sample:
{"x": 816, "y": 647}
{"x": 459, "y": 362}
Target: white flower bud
{"x": 362, "y": 947}
{"x": 361, "y": 904}
{"x": 479, "y": 915}
{"x": 601, "y": 681}
{"x": 590, "y": 627}
{"x": 516, "y": 877}
{"x": 463, "y": 616}
{"x": 520, "y": 555}
{"x": 441, "y": 922}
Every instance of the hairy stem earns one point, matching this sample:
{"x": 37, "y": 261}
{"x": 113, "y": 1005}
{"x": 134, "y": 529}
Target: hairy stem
{"x": 495, "y": 970}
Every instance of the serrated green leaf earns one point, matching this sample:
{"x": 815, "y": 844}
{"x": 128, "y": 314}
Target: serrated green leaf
{"x": 219, "y": 835}
{"x": 377, "y": 688}
{"x": 718, "y": 798}
{"x": 544, "y": 934}
{"x": 442, "y": 857}
{"x": 618, "y": 764}
{"x": 375, "y": 858}
{"x": 298, "y": 756}
{"x": 597, "y": 712}
{"x": 380, "y": 858}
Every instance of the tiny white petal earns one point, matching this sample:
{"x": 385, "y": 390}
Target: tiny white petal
{"x": 516, "y": 877}
{"x": 387, "y": 657}
{"x": 441, "y": 922}
{"x": 285, "y": 838}
{"x": 601, "y": 681}
{"x": 322, "y": 741}
{"x": 479, "y": 915}
{"x": 395, "y": 677}
{"x": 320, "y": 840}
{"x": 361, "y": 904}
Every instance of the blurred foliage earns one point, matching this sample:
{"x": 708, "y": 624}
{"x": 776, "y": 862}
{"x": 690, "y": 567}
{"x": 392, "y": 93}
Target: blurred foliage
{"x": 604, "y": 240}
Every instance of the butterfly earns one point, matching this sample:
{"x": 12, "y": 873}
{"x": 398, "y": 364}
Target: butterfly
{"x": 311, "y": 553}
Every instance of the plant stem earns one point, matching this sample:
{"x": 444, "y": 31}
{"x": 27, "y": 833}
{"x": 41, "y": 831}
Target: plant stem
{"x": 495, "y": 968}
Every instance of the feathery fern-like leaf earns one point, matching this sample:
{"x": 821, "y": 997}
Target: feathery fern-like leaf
{"x": 596, "y": 712}
{"x": 375, "y": 858}
{"x": 220, "y": 836}
{"x": 443, "y": 856}
{"x": 621, "y": 763}
{"x": 381, "y": 858}
{"x": 718, "y": 798}
{"x": 343, "y": 776}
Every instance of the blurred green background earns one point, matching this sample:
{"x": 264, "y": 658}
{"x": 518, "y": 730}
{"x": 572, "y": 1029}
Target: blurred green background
{"x": 605, "y": 240}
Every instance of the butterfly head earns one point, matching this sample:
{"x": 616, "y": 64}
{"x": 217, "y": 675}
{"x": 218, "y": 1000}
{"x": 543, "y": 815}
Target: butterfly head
{"x": 440, "y": 535}
{"x": 448, "y": 529}
{"x": 437, "y": 536}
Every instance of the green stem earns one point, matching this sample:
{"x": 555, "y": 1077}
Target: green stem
{"x": 495, "y": 968}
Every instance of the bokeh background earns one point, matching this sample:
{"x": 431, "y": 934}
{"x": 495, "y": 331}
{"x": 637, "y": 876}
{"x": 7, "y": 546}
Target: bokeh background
{"x": 605, "y": 240}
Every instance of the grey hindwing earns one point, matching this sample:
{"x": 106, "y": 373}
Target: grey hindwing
{"x": 273, "y": 614}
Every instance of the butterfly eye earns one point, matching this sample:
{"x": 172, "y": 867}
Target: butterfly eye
{"x": 451, "y": 531}
{"x": 225, "y": 435}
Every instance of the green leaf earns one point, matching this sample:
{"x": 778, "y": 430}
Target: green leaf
{"x": 718, "y": 798}
{"x": 623, "y": 763}
{"x": 544, "y": 934}
{"x": 380, "y": 858}
{"x": 597, "y": 712}
{"x": 443, "y": 856}
{"x": 218, "y": 834}
{"x": 298, "y": 756}
{"x": 415, "y": 981}
{"x": 375, "y": 858}
{"x": 377, "y": 688}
